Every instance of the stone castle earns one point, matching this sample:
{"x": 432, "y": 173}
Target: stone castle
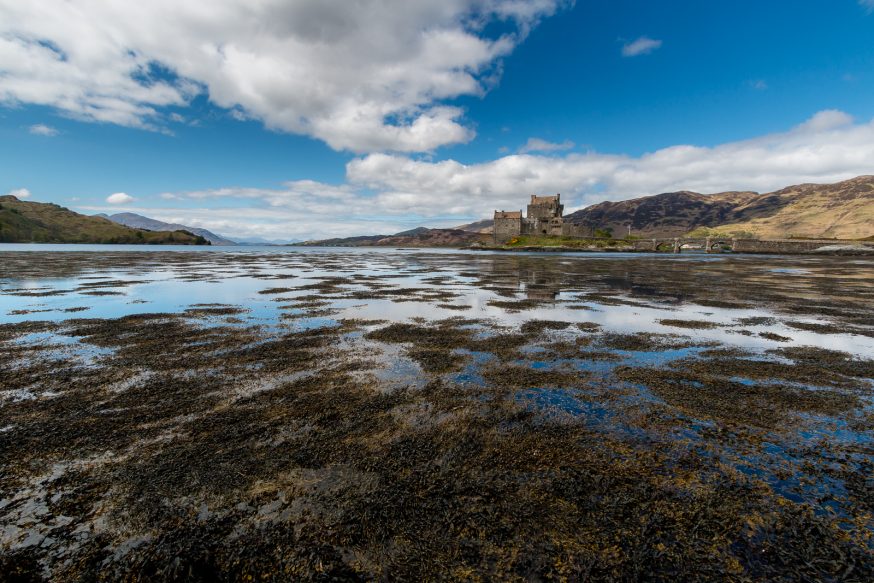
{"x": 542, "y": 218}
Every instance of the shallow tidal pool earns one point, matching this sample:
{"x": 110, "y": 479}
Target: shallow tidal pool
{"x": 358, "y": 414}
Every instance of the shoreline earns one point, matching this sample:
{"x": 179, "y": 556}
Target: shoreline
{"x": 863, "y": 250}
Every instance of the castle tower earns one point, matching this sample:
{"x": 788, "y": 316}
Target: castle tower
{"x": 545, "y": 207}
{"x": 508, "y": 224}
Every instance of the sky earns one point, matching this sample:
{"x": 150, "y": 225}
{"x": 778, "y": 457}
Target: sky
{"x": 301, "y": 119}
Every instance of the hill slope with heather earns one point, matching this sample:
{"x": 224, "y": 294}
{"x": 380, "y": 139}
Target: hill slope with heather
{"x": 844, "y": 210}
{"x": 670, "y": 214}
{"x": 36, "y": 222}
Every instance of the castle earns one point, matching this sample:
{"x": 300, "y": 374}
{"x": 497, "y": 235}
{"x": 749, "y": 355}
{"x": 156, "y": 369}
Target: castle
{"x": 542, "y": 218}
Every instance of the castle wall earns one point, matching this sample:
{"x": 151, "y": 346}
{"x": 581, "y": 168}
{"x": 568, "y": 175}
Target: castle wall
{"x": 507, "y": 228}
{"x": 572, "y": 230}
{"x": 551, "y": 227}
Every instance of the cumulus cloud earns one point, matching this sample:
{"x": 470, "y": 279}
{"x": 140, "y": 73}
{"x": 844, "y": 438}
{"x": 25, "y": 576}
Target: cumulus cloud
{"x": 539, "y": 145}
{"x": 385, "y": 190}
{"x": 641, "y": 46}
{"x": 364, "y": 76}
{"x": 386, "y": 193}
{"x": 826, "y": 120}
{"x": 43, "y": 130}
{"x": 827, "y": 147}
{"x": 119, "y": 198}
{"x": 279, "y": 223}
{"x": 19, "y": 193}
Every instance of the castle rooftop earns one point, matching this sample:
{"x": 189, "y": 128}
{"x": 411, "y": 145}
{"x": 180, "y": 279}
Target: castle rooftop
{"x": 544, "y": 199}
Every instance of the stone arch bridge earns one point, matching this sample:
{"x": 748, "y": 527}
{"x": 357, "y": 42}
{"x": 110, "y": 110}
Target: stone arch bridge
{"x": 677, "y": 244}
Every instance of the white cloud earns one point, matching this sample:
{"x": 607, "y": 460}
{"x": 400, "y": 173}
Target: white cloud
{"x": 826, "y": 120}
{"x": 642, "y": 46}
{"x": 826, "y": 148}
{"x": 386, "y": 193}
{"x": 539, "y": 145}
{"x": 759, "y": 84}
{"x": 362, "y": 76}
{"x": 869, "y": 4}
{"x": 274, "y": 222}
{"x": 43, "y": 130}
{"x": 19, "y": 193}
{"x": 119, "y": 198}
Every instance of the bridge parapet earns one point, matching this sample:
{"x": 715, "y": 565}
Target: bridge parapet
{"x": 799, "y": 245}
{"x": 778, "y": 246}
{"x": 677, "y": 244}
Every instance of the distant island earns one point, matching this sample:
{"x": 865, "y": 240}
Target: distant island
{"x": 36, "y": 222}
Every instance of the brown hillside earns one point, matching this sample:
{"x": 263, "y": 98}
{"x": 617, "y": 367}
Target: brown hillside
{"x": 434, "y": 238}
{"x": 844, "y": 210}
{"x": 484, "y": 226}
{"x": 37, "y": 222}
{"x": 671, "y": 214}
{"x": 420, "y": 237}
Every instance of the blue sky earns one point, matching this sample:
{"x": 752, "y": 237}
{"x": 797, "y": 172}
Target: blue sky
{"x": 251, "y": 118}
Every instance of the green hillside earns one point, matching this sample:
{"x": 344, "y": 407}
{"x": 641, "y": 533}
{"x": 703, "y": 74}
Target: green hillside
{"x": 34, "y": 222}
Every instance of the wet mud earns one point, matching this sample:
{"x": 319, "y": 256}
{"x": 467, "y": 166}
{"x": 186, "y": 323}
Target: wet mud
{"x": 420, "y": 415}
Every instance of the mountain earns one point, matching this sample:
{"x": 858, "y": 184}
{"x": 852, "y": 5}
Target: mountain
{"x": 484, "y": 226}
{"x": 36, "y": 222}
{"x": 357, "y": 241}
{"x": 419, "y": 237}
{"x": 844, "y": 210}
{"x": 413, "y": 232}
{"x": 671, "y": 214}
{"x": 136, "y": 221}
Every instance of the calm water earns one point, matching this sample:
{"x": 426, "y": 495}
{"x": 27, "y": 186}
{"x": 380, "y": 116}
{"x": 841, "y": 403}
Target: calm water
{"x": 743, "y": 297}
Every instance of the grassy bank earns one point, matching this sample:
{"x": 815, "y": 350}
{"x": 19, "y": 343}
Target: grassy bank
{"x": 33, "y": 222}
{"x": 566, "y": 242}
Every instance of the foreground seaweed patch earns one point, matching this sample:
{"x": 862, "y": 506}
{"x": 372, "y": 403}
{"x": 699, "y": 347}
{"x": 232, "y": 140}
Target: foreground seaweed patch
{"x": 711, "y": 396}
{"x": 392, "y": 443}
{"x": 690, "y": 324}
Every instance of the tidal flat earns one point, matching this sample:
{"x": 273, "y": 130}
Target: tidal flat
{"x": 276, "y": 414}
